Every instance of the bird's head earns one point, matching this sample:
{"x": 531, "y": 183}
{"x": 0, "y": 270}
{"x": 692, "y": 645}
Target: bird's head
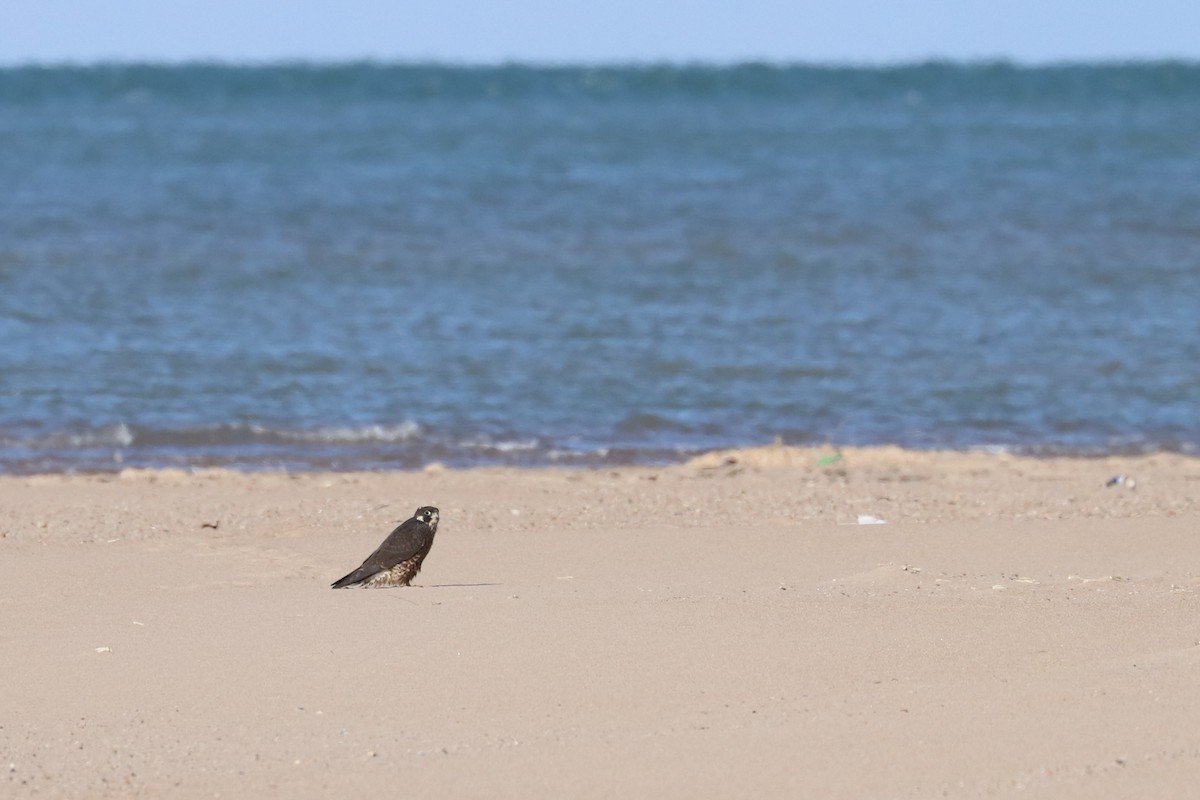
{"x": 427, "y": 514}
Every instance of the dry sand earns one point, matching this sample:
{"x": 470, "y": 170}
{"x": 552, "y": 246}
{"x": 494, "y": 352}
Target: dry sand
{"x": 716, "y": 629}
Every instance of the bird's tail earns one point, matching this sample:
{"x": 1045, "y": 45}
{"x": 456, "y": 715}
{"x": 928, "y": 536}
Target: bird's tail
{"x": 358, "y": 576}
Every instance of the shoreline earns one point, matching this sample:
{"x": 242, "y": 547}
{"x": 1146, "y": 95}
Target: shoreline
{"x": 528, "y": 457}
{"x": 828, "y": 484}
{"x": 718, "y": 628}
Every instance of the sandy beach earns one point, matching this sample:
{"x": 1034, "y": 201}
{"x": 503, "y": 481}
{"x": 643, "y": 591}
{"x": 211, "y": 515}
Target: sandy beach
{"x": 724, "y": 628}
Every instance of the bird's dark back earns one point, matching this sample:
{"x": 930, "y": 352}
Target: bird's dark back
{"x": 410, "y": 538}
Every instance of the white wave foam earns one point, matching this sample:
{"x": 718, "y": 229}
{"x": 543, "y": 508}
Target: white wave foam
{"x": 370, "y": 433}
{"x": 113, "y": 436}
{"x": 567, "y": 455}
{"x": 514, "y": 446}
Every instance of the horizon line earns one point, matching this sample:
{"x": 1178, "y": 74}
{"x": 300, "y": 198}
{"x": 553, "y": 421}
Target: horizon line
{"x": 614, "y": 63}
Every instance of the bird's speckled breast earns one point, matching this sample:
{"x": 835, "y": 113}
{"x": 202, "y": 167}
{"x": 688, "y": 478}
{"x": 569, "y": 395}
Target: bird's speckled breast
{"x": 399, "y": 575}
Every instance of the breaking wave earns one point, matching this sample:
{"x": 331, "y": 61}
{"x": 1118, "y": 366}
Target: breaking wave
{"x": 406, "y": 445}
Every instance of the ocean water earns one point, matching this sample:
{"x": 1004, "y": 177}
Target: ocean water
{"x": 382, "y": 266}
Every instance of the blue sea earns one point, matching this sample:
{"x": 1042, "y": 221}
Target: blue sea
{"x": 381, "y": 266}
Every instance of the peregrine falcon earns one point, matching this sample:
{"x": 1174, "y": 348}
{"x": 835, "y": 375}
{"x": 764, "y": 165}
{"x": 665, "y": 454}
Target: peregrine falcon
{"x": 398, "y": 560}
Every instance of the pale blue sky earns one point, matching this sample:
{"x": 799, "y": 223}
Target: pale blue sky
{"x": 486, "y": 31}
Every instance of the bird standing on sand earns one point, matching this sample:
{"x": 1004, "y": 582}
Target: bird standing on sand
{"x": 398, "y": 560}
